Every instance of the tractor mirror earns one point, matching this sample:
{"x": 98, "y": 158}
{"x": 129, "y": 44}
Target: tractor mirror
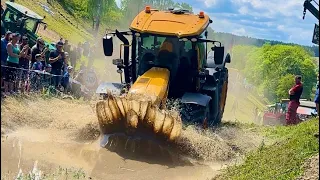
{"x": 228, "y": 58}
{"x": 218, "y": 55}
{"x": 107, "y": 45}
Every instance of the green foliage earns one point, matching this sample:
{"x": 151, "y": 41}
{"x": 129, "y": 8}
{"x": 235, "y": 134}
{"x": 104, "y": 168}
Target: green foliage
{"x": 285, "y": 83}
{"x": 283, "y": 159}
{"x": 272, "y": 67}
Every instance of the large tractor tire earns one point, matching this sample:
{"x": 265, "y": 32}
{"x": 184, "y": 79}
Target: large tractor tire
{"x": 195, "y": 114}
{"x": 223, "y": 99}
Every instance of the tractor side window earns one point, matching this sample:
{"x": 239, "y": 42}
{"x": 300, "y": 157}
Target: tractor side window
{"x": 10, "y": 16}
{"x": 30, "y": 24}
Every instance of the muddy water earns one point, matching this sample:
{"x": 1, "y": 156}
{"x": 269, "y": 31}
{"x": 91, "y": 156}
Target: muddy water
{"x": 54, "y": 134}
{"x": 51, "y": 149}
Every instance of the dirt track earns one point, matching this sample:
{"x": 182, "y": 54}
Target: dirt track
{"x": 56, "y": 133}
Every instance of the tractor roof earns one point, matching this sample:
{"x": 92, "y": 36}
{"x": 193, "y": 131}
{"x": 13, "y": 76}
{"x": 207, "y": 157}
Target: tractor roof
{"x": 170, "y": 23}
{"x": 24, "y": 10}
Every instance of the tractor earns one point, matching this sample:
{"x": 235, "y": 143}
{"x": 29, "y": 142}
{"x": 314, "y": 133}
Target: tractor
{"x": 167, "y": 59}
{"x": 19, "y": 19}
{"x": 276, "y": 113}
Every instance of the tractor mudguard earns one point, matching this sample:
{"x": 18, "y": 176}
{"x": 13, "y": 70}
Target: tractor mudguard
{"x": 195, "y": 98}
{"x": 104, "y": 87}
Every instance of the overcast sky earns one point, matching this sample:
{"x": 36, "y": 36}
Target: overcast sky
{"x": 266, "y": 19}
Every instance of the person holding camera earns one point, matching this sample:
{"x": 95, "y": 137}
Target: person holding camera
{"x": 57, "y": 59}
{"x": 14, "y": 53}
{"x": 38, "y": 48}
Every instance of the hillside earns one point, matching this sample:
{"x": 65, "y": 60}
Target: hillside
{"x": 288, "y": 158}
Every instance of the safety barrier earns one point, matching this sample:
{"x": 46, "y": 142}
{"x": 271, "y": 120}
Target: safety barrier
{"x": 28, "y": 80}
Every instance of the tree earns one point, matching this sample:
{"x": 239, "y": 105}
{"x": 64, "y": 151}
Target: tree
{"x": 285, "y": 83}
{"x": 272, "y": 67}
{"x": 97, "y": 9}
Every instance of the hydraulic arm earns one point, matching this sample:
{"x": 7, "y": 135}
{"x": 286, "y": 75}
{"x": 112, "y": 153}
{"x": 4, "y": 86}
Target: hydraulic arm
{"x": 308, "y": 6}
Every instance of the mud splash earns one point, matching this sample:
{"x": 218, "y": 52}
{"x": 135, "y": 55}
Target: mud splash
{"x": 62, "y": 133}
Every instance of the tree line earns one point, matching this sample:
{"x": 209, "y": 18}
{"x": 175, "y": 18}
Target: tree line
{"x": 230, "y": 40}
{"x": 271, "y": 68}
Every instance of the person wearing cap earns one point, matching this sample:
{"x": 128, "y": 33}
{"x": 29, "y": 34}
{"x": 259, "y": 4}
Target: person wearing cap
{"x": 4, "y": 54}
{"x": 24, "y": 63}
{"x": 65, "y": 80}
{"x": 57, "y": 60}
{"x": 14, "y": 53}
{"x": 294, "y": 94}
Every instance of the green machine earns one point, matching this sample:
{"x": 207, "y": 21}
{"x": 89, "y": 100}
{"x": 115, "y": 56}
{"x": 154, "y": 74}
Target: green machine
{"x": 19, "y": 19}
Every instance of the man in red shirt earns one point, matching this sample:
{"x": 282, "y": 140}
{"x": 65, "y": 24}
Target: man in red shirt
{"x": 295, "y": 94}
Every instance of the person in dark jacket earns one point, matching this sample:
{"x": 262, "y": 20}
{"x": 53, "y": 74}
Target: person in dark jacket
{"x": 294, "y": 94}
{"x": 57, "y": 60}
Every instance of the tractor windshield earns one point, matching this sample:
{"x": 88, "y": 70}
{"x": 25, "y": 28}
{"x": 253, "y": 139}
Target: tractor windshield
{"x": 160, "y": 51}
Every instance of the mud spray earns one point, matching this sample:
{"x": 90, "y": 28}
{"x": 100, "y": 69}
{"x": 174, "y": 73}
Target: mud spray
{"x": 64, "y": 133}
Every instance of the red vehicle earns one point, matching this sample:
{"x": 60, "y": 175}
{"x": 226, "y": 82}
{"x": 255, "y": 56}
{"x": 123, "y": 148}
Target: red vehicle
{"x": 276, "y": 113}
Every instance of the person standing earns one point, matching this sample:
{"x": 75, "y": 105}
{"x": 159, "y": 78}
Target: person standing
{"x": 57, "y": 59}
{"x": 24, "y": 64}
{"x": 316, "y": 99}
{"x": 294, "y": 96}
{"x": 4, "y": 54}
{"x": 14, "y": 53}
{"x": 38, "y": 48}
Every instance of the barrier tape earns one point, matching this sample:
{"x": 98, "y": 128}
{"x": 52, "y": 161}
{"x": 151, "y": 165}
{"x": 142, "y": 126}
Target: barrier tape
{"x": 43, "y": 73}
{"x": 30, "y": 70}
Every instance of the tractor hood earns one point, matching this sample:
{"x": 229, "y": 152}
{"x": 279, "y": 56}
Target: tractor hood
{"x": 153, "y": 83}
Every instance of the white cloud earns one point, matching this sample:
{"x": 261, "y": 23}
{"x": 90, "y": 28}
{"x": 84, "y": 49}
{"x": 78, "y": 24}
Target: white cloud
{"x": 208, "y": 3}
{"x": 240, "y": 32}
{"x": 265, "y": 19}
{"x": 280, "y": 27}
{"x": 273, "y": 8}
{"x": 243, "y": 10}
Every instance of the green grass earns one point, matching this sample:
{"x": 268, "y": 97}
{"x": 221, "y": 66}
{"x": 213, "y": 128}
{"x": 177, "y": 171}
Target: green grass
{"x": 60, "y": 173}
{"x": 281, "y": 160}
{"x": 58, "y": 24}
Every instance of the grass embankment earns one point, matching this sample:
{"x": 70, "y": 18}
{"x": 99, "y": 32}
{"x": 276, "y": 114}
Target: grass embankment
{"x": 59, "y": 24}
{"x": 282, "y": 160}
{"x": 59, "y": 21}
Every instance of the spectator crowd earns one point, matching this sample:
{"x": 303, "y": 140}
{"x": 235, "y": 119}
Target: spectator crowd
{"x": 25, "y": 68}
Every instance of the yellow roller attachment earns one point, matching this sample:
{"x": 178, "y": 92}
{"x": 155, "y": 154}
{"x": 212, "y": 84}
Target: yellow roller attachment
{"x": 123, "y": 114}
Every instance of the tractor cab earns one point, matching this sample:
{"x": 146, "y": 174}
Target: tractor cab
{"x": 19, "y": 19}
{"x": 162, "y": 42}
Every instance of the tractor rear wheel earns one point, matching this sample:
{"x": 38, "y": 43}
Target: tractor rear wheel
{"x": 196, "y": 114}
{"x": 222, "y": 103}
